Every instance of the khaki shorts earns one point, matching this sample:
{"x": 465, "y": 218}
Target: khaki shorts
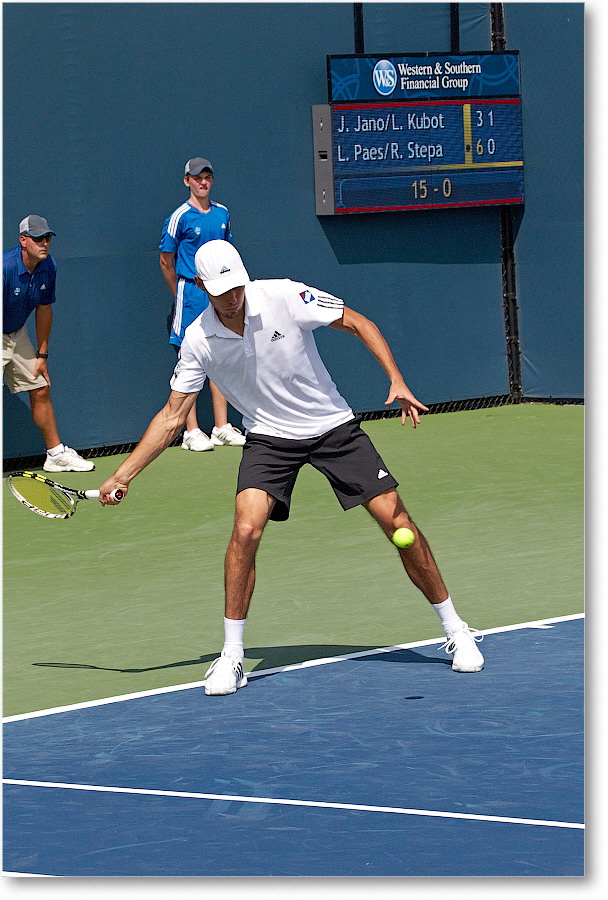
{"x": 18, "y": 361}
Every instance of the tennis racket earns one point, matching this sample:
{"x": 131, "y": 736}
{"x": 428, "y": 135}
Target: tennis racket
{"x": 46, "y": 497}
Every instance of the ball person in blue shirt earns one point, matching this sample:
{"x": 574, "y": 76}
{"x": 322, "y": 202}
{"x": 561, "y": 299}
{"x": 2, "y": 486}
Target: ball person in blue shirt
{"x": 191, "y": 225}
{"x": 29, "y": 284}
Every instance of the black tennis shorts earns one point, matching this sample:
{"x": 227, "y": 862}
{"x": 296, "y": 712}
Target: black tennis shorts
{"x": 345, "y": 455}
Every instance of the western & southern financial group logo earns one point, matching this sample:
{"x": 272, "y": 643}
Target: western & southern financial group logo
{"x": 384, "y": 77}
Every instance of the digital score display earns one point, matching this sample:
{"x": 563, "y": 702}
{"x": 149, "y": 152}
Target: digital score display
{"x": 422, "y": 155}
{"x": 425, "y": 131}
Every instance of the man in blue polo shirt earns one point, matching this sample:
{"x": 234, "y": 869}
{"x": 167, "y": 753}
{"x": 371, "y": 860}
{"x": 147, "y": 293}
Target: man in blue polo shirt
{"x": 191, "y": 225}
{"x": 29, "y": 284}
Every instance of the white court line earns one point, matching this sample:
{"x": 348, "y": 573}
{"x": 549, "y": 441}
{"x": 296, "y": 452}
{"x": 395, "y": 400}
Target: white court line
{"x": 317, "y": 804}
{"x": 541, "y": 623}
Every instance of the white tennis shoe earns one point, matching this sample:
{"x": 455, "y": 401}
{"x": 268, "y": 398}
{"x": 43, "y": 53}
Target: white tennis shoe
{"x": 227, "y": 436}
{"x": 225, "y": 676}
{"x": 67, "y": 461}
{"x": 196, "y": 440}
{"x": 462, "y": 647}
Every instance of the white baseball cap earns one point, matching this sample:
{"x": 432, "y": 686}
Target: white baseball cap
{"x": 220, "y": 267}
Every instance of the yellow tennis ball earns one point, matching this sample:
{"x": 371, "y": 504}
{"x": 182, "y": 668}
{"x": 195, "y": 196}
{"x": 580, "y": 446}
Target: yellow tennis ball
{"x": 403, "y": 537}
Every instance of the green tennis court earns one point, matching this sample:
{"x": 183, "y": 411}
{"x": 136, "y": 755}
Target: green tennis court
{"x": 128, "y": 599}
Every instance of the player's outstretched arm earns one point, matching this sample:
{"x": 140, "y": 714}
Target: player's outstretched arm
{"x": 371, "y": 336}
{"x": 164, "y": 427}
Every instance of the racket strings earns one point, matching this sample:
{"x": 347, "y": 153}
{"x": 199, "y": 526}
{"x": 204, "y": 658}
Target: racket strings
{"x": 44, "y": 496}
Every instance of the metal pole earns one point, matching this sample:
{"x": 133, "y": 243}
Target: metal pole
{"x": 359, "y": 39}
{"x": 510, "y": 304}
{"x": 497, "y": 18}
{"x": 509, "y": 287}
{"x": 454, "y": 26}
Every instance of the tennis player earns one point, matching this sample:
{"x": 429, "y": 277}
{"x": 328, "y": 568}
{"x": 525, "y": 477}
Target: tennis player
{"x": 255, "y": 341}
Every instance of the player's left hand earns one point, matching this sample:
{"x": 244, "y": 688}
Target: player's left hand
{"x": 410, "y": 407}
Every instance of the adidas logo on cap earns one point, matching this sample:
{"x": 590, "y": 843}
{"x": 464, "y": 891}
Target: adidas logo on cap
{"x": 219, "y": 266}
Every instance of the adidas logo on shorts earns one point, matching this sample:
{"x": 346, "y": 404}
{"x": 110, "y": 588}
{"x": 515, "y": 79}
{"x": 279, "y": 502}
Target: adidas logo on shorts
{"x": 277, "y": 336}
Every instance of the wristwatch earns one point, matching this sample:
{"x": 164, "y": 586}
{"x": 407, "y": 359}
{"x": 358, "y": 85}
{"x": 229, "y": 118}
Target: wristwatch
{"x": 41, "y": 355}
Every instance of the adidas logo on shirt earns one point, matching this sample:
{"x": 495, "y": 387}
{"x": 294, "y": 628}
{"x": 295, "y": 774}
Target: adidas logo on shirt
{"x": 382, "y": 473}
{"x": 277, "y": 336}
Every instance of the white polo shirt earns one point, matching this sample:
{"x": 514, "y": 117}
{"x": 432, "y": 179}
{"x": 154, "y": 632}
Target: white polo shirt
{"x": 274, "y": 374}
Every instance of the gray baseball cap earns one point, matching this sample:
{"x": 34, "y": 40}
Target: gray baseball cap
{"x": 35, "y": 226}
{"x": 195, "y": 166}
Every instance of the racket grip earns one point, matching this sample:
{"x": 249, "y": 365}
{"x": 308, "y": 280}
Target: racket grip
{"x": 116, "y": 494}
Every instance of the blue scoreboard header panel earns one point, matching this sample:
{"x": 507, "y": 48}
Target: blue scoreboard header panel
{"x": 419, "y": 131}
{"x": 418, "y": 75}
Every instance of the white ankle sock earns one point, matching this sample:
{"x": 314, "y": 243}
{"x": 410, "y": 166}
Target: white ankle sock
{"x": 233, "y": 637}
{"x": 55, "y": 451}
{"x": 450, "y": 619}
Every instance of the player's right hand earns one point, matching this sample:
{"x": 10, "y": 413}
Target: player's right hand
{"x": 107, "y": 489}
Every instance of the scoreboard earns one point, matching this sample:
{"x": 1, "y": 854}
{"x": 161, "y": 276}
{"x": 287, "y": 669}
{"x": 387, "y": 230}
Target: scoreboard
{"x": 428, "y": 153}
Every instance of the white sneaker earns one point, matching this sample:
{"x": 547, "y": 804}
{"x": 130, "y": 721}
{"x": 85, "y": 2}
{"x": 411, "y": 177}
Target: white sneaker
{"x": 227, "y": 436}
{"x": 225, "y": 676}
{"x": 67, "y": 461}
{"x": 462, "y": 647}
{"x": 196, "y": 440}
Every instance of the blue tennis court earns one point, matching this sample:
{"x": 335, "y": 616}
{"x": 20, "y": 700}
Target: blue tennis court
{"x": 385, "y": 763}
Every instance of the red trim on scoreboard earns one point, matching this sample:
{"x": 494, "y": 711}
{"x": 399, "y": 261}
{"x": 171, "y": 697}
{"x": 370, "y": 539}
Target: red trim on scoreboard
{"x": 475, "y": 101}
{"x": 506, "y": 201}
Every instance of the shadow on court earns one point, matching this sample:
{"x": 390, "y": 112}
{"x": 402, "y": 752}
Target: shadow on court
{"x": 270, "y": 658}
{"x": 88, "y": 642}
